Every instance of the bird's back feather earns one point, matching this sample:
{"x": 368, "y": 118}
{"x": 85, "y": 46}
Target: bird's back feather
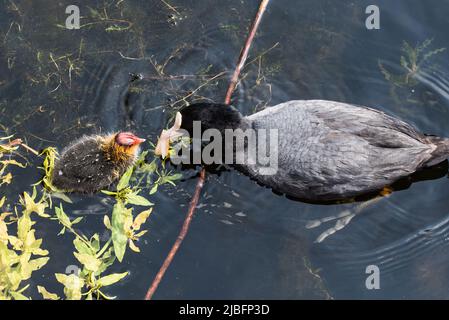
{"x": 329, "y": 150}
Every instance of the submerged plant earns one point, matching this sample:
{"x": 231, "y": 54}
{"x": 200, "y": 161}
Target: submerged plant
{"x": 414, "y": 62}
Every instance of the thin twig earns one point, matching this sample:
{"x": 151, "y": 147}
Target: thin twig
{"x": 201, "y": 179}
{"x": 29, "y": 149}
{"x": 244, "y": 52}
{"x": 182, "y": 234}
{"x": 201, "y": 86}
{"x": 19, "y": 142}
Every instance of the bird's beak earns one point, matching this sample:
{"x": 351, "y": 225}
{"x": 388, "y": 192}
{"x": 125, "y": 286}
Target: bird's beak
{"x": 167, "y": 136}
{"x": 138, "y": 140}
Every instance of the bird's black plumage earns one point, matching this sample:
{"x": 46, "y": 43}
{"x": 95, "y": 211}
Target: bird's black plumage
{"x": 330, "y": 150}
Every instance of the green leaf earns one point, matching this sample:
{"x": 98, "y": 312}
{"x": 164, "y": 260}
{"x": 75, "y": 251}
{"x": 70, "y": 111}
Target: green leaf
{"x": 133, "y": 247}
{"x": 135, "y": 199}
{"x": 24, "y": 225}
{"x": 124, "y": 180}
{"x": 111, "y": 279}
{"x": 109, "y": 193}
{"x": 119, "y": 238}
{"x": 3, "y": 232}
{"x": 90, "y": 262}
{"x": 2, "y": 201}
{"x": 72, "y": 285}
{"x": 62, "y": 231}
{"x": 171, "y": 178}
{"x": 82, "y": 247}
{"x": 14, "y": 278}
{"x": 176, "y": 176}
{"x": 77, "y": 220}
{"x": 148, "y": 167}
{"x": 31, "y": 206}
{"x": 62, "y": 196}
{"x": 95, "y": 242}
{"x": 141, "y": 233}
{"x": 107, "y": 222}
{"x": 47, "y": 295}
{"x": 28, "y": 267}
{"x": 62, "y": 217}
{"x": 154, "y": 189}
{"x": 141, "y": 218}
{"x": 38, "y": 263}
{"x": 18, "y": 296}
{"x": 107, "y": 259}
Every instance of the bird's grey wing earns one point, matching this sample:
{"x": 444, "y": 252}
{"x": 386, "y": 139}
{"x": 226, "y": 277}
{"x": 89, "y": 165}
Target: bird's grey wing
{"x": 328, "y": 148}
{"x": 373, "y": 125}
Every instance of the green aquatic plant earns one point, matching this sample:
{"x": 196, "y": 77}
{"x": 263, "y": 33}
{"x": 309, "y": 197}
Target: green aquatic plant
{"x": 95, "y": 259}
{"x": 55, "y": 70}
{"x": 163, "y": 177}
{"x": 20, "y": 253}
{"x": 124, "y": 226}
{"x": 7, "y": 148}
{"x": 412, "y": 61}
{"x": 150, "y": 176}
{"x": 50, "y": 155}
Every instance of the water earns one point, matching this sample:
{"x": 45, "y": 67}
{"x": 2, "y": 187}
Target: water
{"x": 245, "y": 241}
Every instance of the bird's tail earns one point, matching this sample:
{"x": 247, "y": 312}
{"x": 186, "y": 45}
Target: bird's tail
{"x": 441, "y": 153}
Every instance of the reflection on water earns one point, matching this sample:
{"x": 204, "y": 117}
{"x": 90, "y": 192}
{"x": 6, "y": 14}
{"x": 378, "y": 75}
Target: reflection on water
{"x": 245, "y": 241}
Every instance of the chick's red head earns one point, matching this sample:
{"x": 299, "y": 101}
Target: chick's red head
{"x": 128, "y": 139}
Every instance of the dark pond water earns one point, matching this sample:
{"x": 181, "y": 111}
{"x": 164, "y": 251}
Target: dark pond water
{"x": 245, "y": 241}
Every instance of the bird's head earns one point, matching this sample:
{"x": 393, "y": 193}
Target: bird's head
{"x": 128, "y": 139}
{"x": 124, "y": 145}
{"x": 209, "y": 115}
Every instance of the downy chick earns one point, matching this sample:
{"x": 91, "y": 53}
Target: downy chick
{"x": 92, "y": 163}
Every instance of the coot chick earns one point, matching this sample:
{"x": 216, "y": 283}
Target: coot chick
{"x": 92, "y": 163}
{"x": 328, "y": 150}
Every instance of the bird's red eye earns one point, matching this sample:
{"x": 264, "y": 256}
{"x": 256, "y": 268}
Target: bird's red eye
{"x": 128, "y": 139}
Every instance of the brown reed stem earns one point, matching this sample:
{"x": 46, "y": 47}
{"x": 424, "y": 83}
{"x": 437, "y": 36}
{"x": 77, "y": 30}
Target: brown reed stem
{"x": 19, "y": 142}
{"x": 199, "y": 185}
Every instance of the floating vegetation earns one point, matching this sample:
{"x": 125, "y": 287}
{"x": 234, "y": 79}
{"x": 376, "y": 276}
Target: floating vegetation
{"x": 149, "y": 176}
{"x": 95, "y": 259}
{"x": 21, "y": 254}
{"x": 7, "y": 148}
{"x": 50, "y": 155}
{"x": 54, "y": 71}
{"x": 175, "y": 16}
